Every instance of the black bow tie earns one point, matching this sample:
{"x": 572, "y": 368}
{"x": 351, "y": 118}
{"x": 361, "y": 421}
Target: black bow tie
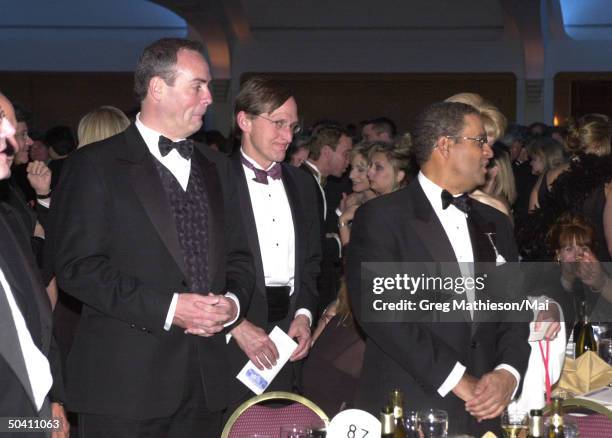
{"x": 463, "y": 202}
{"x": 184, "y": 147}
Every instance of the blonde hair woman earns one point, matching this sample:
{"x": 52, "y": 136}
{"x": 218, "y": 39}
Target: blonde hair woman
{"x": 495, "y": 124}
{"x": 101, "y": 123}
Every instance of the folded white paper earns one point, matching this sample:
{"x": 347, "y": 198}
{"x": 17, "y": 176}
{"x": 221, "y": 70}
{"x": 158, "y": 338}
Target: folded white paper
{"x": 539, "y": 334}
{"x": 258, "y": 380}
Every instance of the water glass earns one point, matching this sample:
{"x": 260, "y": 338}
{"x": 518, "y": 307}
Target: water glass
{"x": 412, "y": 424}
{"x": 294, "y": 431}
{"x": 605, "y": 350}
{"x": 513, "y": 421}
{"x": 433, "y": 423}
{"x": 570, "y": 427}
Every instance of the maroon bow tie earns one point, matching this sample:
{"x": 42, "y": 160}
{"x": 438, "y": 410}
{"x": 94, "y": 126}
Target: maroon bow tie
{"x": 261, "y": 176}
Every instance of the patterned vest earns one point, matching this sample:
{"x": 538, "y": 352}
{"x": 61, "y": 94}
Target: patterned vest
{"x": 190, "y": 211}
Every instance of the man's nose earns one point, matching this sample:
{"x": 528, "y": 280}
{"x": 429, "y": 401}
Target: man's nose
{"x": 487, "y": 151}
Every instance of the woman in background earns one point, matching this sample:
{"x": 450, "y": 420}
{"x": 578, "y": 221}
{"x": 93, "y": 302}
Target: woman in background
{"x": 499, "y": 190}
{"x": 547, "y": 158}
{"x": 361, "y": 190}
{"x": 100, "y": 124}
{"x": 583, "y": 186}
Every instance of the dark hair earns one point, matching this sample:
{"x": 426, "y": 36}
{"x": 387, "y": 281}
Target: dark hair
{"x": 159, "y": 59}
{"x": 383, "y": 124}
{"x": 300, "y": 141}
{"x": 61, "y": 139}
{"x": 260, "y": 95}
{"x": 326, "y": 136}
{"x": 22, "y": 114}
{"x": 538, "y": 126}
{"x": 435, "y": 121}
{"x": 514, "y": 133}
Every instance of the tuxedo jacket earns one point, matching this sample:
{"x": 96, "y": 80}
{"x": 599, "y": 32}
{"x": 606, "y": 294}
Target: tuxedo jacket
{"x": 328, "y": 282}
{"x": 301, "y": 194}
{"x": 417, "y": 357}
{"x": 18, "y": 265}
{"x": 115, "y": 248}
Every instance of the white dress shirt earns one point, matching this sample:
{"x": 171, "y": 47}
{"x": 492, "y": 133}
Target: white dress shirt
{"x": 275, "y": 231}
{"x": 180, "y": 168}
{"x": 454, "y": 222}
{"x": 37, "y": 365}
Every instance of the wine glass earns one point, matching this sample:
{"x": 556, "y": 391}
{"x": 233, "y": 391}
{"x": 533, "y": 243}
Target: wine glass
{"x": 513, "y": 420}
{"x": 433, "y": 423}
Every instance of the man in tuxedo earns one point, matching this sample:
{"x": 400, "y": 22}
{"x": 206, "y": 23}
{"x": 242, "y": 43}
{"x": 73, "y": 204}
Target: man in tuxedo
{"x": 28, "y": 365}
{"x": 278, "y": 206}
{"x": 467, "y": 368}
{"x": 330, "y": 147}
{"x": 145, "y": 234}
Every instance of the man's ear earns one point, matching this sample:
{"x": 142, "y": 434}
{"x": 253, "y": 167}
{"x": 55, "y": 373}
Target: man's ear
{"x": 326, "y": 152}
{"x": 399, "y": 178}
{"x": 156, "y": 87}
{"x": 442, "y": 146}
{"x": 243, "y": 121}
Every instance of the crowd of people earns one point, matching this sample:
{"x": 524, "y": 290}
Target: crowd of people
{"x": 143, "y": 263}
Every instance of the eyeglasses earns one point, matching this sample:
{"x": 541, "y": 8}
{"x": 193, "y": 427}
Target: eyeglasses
{"x": 480, "y": 140}
{"x": 295, "y": 128}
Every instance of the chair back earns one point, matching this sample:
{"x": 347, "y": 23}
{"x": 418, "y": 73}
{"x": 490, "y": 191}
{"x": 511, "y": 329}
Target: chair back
{"x": 253, "y": 418}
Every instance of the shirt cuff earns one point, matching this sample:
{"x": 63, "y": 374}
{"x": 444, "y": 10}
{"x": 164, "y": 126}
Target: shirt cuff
{"x": 514, "y": 372}
{"x": 452, "y": 380}
{"x": 171, "y": 311}
{"x": 338, "y": 241}
{"x": 306, "y": 312}
{"x": 233, "y": 297}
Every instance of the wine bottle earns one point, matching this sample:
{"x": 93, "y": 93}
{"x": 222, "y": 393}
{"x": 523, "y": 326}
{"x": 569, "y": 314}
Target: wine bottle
{"x": 388, "y": 422}
{"x": 586, "y": 337}
{"x": 536, "y": 424}
{"x": 396, "y": 399}
{"x": 555, "y": 428}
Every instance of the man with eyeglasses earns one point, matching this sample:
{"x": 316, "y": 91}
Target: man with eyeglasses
{"x": 29, "y": 367}
{"x": 444, "y": 361}
{"x": 278, "y": 208}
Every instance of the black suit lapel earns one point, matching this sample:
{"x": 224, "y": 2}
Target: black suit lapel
{"x": 15, "y": 268}
{"x": 479, "y": 229}
{"x": 147, "y": 185}
{"x": 427, "y": 225}
{"x": 246, "y": 208}
{"x": 435, "y": 239}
